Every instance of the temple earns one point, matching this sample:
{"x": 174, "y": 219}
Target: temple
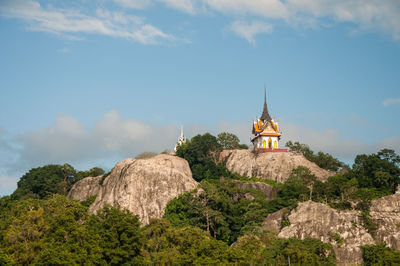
{"x": 266, "y": 131}
{"x": 181, "y": 140}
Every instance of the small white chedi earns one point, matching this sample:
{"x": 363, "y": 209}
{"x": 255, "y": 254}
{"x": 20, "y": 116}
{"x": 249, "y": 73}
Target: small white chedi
{"x": 181, "y": 140}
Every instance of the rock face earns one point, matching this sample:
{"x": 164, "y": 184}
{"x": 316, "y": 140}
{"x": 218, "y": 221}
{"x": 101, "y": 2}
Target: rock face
{"x": 275, "y": 166}
{"x": 342, "y": 229}
{"x": 386, "y": 213}
{"x": 273, "y": 222}
{"x": 85, "y": 188}
{"x": 144, "y": 186}
{"x": 269, "y": 191}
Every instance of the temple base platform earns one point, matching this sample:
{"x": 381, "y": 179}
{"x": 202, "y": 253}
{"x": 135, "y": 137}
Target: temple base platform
{"x": 261, "y": 150}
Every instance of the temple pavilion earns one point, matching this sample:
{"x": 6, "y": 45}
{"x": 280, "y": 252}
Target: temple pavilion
{"x": 266, "y": 131}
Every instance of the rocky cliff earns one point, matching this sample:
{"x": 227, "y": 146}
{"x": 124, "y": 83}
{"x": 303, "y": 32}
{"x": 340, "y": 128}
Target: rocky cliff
{"x": 83, "y": 189}
{"x": 275, "y": 166}
{"x": 342, "y": 229}
{"x": 142, "y": 186}
{"x": 386, "y": 214}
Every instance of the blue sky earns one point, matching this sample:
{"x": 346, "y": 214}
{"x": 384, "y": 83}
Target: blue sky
{"x": 92, "y": 82}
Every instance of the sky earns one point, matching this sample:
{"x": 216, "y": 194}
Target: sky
{"x": 90, "y": 83}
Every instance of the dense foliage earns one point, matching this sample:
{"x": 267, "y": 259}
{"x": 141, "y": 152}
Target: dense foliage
{"x": 44, "y": 181}
{"x": 372, "y": 176}
{"x": 58, "y": 231}
{"x": 227, "y": 212}
{"x": 202, "y": 153}
{"x": 323, "y": 160}
{"x": 380, "y": 255}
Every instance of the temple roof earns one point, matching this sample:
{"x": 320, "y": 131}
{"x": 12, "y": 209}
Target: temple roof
{"x": 265, "y": 115}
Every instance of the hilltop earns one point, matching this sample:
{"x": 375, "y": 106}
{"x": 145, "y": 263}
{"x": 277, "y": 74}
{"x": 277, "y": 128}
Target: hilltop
{"x": 207, "y": 204}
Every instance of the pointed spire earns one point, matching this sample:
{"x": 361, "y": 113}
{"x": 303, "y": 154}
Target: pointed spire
{"x": 265, "y": 114}
{"x": 181, "y": 131}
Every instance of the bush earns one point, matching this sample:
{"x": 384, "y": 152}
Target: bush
{"x": 380, "y": 255}
{"x": 145, "y": 155}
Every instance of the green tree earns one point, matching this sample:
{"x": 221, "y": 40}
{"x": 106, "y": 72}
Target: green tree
{"x": 267, "y": 249}
{"x": 202, "y": 153}
{"x": 302, "y": 148}
{"x": 323, "y": 160}
{"x": 380, "y": 255}
{"x": 48, "y": 232}
{"x": 44, "y": 181}
{"x": 95, "y": 171}
{"x": 167, "y": 245}
{"x": 379, "y": 171}
{"x": 304, "y": 174}
{"x": 229, "y": 141}
{"x": 121, "y": 238}
{"x": 221, "y": 209}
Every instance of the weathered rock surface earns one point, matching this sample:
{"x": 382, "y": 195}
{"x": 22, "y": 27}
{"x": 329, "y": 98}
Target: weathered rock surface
{"x": 144, "y": 186}
{"x": 273, "y": 222}
{"x": 275, "y": 166}
{"x": 342, "y": 229}
{"x": 269, "y": 191}
{"x": 85, "y": 188}
{"x": 386, "y": 213}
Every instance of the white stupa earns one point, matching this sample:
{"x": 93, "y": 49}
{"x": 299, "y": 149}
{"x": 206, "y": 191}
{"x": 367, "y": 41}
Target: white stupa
{"x": 181, "y": 140}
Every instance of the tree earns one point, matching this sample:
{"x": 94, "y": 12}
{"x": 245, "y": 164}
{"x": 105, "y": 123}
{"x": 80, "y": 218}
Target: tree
{"x": 380, "y": 170}
{"x": 229, "y": 141}
{"x": 202, "y": 153}
{"x": 267, "y": 249}
{"x": 95, "y": 171}
{"x": 121, "y": 238}
{"x": 48, "y": 231}
{"x": 304, "y": 174}
{"x": 302, "y": 148}
{"x": 168, "y": 245}
{"x": 44, "y": 181}
{"x": 380, "y": 255}
{"x": 323, "y": 160}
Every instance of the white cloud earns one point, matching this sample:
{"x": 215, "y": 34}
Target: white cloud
{"x": 70, "y": 23}
{"x": 381, "y": 15}
{"x": 137, "y": 4}
{"x": 390, "y": 101}
{"x": 187, "y": 6}
{"x": 249, "y": 30}
{"x": 68, "y": 140}
{"x": 264, "y": 8}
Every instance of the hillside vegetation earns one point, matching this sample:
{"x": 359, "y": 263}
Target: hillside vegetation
{"x": 217, "y": 223}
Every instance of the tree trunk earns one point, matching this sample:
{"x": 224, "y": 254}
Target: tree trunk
{"x": 208, "y": 222}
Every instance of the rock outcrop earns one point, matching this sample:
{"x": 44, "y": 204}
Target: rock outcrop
{"x": 386, "y": 214}
{"x": 83, "y": 189}
{"x": 144, "y": 186}
{"x": 273, "y": 222}
{"x": 342, "y": 229}
{"x": 269, "y": 191}
{"x": 275, "y": 166}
